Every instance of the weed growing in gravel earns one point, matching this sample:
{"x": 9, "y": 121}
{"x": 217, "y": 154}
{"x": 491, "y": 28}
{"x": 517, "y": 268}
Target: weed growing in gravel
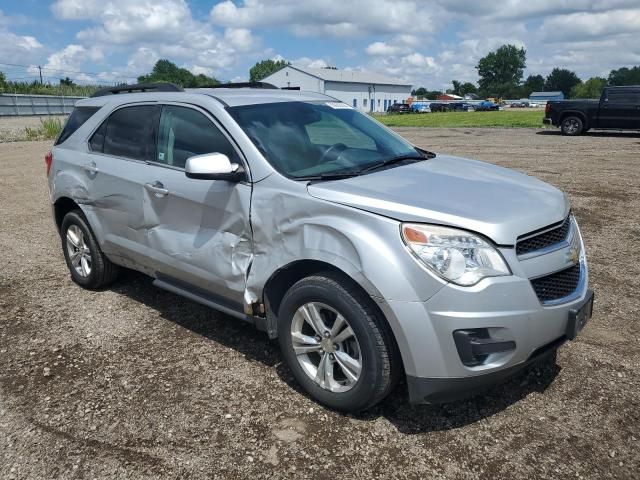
{"x": 49, "y": 129}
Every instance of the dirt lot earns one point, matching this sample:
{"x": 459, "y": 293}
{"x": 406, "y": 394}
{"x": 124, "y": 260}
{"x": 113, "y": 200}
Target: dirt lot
{"x": 134, "y": 382}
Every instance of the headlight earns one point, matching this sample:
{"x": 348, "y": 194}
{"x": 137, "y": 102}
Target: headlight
{"x": 458, "y": 256}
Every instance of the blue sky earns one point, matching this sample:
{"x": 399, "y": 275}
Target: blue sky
{"x": 427, "y": 42}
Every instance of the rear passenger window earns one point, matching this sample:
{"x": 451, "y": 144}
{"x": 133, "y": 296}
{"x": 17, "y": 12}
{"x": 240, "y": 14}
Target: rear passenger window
{"x": 130, "y": 132}
{"x": 185, "y": 132}
{"x": 77, "y": 118}
{"x": 623, "y": 97}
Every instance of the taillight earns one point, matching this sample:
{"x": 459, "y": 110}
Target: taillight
{"x": 547, "y": 108}
{"x": 48, "y": 160}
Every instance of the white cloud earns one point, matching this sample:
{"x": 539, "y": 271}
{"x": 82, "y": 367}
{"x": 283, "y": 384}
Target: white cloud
{"x": 16, "y": 48}
{"x": 591, "y": 26}
{"x": 382, "y": 49}
{"x": 307, "y": 62}
{"x": 336, "y": 18}
{"x": 153, "y": 29}
{"x": 71, "y": 58}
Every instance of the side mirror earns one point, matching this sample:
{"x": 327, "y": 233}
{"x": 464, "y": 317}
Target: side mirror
{"x": 213, "y": 166}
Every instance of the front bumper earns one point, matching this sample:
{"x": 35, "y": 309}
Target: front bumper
{"x": 442, "y": 390}
{"x": 498, "y": 366}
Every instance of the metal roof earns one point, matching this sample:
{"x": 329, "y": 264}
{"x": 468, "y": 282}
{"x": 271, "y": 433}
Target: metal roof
{"x": 349, "y": 76}
{"x": 545, "y": 94}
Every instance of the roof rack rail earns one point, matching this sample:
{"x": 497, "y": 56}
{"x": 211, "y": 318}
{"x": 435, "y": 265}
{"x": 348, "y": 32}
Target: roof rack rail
{"x": 242, "y": 85}
{"x": 138, "y": 87}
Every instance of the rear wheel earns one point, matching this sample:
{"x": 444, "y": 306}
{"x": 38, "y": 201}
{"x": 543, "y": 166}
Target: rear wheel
{"x": 572, "y": 126}
{"x": 335, "y": 342}
{"x": 89, "y": 267}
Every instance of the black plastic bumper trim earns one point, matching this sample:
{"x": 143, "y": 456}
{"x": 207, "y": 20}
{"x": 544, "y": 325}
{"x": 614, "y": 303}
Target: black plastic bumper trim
{"x": 442, "y": 390}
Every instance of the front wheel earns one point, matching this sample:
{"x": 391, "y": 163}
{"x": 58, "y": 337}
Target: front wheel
{"x": 572, "y": 126}
{"x": 336, "y": 343}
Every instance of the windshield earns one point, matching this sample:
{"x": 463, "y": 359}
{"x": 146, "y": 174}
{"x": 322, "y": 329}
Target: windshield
{"x": 310, "y": 139}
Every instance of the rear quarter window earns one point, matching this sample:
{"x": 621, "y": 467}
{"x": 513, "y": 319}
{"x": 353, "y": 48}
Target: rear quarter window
{"x": 77, "y": 118}
{"x": 128, "y": 132}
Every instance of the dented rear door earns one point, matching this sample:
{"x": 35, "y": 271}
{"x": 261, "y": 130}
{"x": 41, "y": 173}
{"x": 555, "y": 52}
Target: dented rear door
{"x": 115, "y": 170}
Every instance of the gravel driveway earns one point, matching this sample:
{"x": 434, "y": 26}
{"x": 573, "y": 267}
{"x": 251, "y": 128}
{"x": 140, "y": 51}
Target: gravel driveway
{"x": 134, "y": 382}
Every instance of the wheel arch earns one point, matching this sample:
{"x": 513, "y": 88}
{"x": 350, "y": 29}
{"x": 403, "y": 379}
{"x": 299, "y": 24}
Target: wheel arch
{"x": 285, "y": 277}
{"x": 61, "y": 207}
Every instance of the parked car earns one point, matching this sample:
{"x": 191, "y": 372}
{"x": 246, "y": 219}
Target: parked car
{"x": 368, "y": 259}
{"x": 439, "y": 107}
{"x": 461, "y": 107}
{"x": 519, "y": 105}
{"x": 399, "y": 108}
{"x": 421, "y": 108}
{"x": 618, "y": 108}
{"x": 486, "y": 106}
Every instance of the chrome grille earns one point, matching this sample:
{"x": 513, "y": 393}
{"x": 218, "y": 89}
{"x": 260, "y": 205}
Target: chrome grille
{"x": 551, "y": 236}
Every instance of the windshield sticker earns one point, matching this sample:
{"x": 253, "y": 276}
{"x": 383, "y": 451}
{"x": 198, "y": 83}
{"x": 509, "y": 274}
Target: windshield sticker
{"x": 338, "y": 105}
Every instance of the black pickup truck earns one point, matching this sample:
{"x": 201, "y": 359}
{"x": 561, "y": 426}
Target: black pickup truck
{"x": 618, "y": 108}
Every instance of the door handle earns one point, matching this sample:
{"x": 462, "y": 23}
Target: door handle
{"x": 157, "y": 188}
{"x": 91, "y": 167}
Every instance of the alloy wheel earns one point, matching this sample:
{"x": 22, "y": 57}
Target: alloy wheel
{"x": 326, "y": 347}
{"x": 78, "y": 250}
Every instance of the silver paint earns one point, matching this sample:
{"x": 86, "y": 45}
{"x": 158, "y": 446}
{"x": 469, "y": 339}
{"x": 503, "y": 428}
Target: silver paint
{"x": 229, "y": 239}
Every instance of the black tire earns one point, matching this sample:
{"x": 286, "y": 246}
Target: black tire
{"x": 572, "y": 126}
{"x": 103, "y": 271}
{"x": 379, "y": 353}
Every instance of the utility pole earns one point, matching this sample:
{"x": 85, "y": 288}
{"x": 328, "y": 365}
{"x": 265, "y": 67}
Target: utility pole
{"x": 40, "y": 70}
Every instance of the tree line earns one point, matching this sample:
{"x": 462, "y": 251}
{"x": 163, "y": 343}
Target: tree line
{"x": 501, "y": 76}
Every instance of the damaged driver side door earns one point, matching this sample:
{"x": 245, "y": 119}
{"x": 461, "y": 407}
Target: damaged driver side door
{"x": 198, "y": 231}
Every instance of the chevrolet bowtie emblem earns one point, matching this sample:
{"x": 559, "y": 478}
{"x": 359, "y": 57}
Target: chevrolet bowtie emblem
{"x": 574, "y": 255}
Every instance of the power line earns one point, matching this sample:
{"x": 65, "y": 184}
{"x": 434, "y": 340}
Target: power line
{"x": 67, "y": 72}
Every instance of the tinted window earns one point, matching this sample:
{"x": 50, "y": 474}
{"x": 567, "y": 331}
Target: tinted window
{"x": 97, "y": 139}
{"x": 624, "y": 97}
{"x": 131, "y": 132}
{"x": 75, "y": 121}
{"x": 185, "y": 132}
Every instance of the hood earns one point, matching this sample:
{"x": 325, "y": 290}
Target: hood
{"x": 494, "y": 201}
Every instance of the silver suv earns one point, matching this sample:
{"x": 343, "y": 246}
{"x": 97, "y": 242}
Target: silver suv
{"x": 368, "y": 258}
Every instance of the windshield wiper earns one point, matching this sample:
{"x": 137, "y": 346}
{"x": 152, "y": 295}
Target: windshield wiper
{"x": 329, "y": 176}
{"x": 392, "y": 161}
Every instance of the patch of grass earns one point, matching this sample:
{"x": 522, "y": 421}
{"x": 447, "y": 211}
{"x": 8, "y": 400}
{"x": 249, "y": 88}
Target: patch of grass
{"x": 502, "y": 118}
{"x": 49, "y": 129}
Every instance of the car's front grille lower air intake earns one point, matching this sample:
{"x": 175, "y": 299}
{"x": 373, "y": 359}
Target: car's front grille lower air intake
{"x": 557, "y": 285}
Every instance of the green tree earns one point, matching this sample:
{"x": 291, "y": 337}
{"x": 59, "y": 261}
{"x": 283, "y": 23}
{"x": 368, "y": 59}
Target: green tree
{"x": 463, "y": 89}
{"x": 66, "y": 82}
{"x": 265, "y": 68}
{"x": 533, "y": 83}
{"x": 419, "y": 92}
{"x": 166, "y": 71}
{"x": 561, "y": 79}
{"x": 625, "y": 76}
{"x": 501, "y": 71}
{"x": 592, "y": 88}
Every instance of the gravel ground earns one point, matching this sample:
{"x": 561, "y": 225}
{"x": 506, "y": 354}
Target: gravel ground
{"x": 134, "y": 382}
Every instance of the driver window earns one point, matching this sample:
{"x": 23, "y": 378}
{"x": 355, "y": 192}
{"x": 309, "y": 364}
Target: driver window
{"x": 330, "y": 130}
{"x": 185, "y": 132}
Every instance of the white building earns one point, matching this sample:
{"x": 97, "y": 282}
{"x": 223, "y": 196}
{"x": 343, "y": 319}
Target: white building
{"x": 365, "y": 91}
